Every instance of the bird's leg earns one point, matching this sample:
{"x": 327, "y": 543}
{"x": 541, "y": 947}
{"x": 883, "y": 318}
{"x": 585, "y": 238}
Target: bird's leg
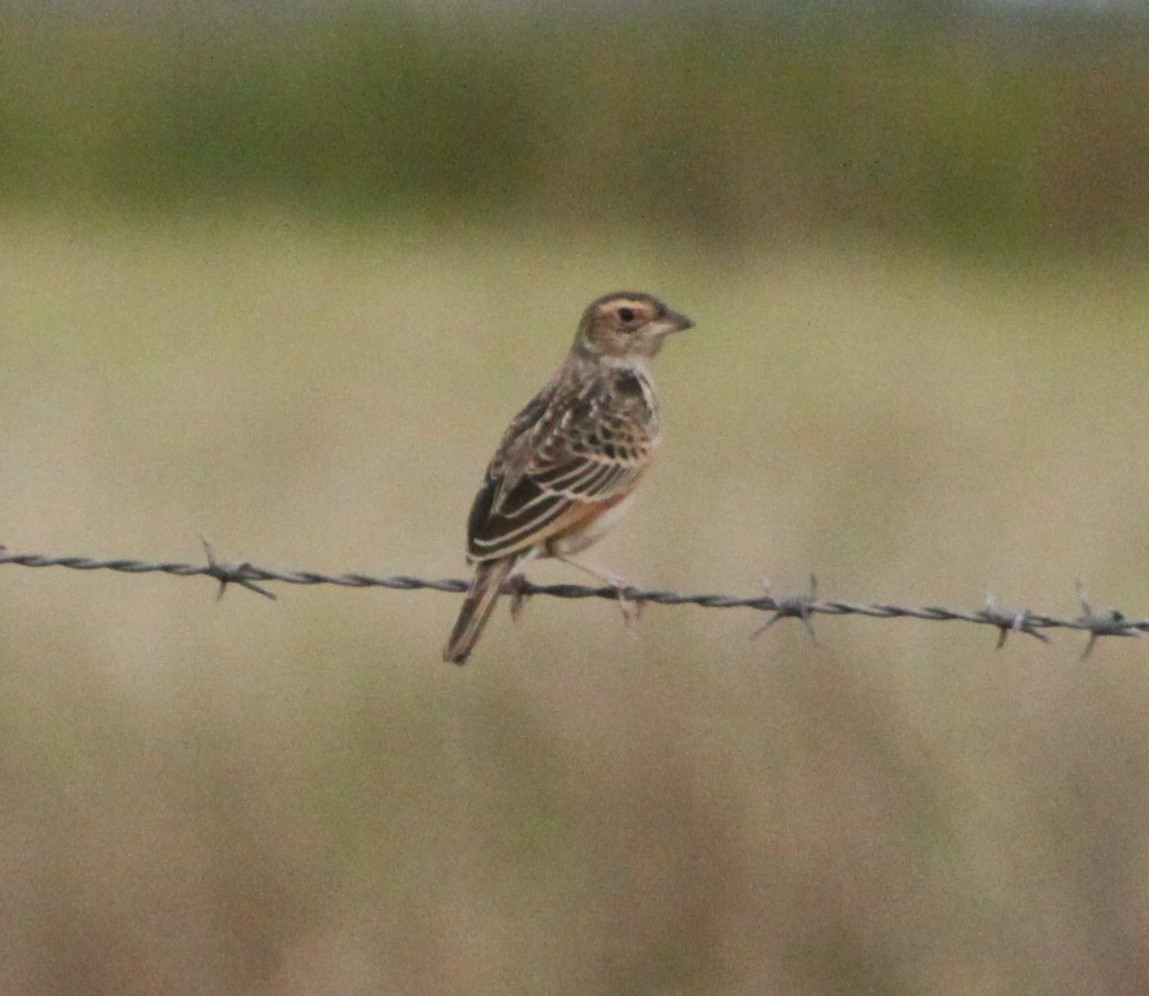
{"x": 517, "y": 584}
{"x": 631, "y": 609}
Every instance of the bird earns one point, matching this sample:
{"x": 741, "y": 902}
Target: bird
{"x": 567, "y": 466}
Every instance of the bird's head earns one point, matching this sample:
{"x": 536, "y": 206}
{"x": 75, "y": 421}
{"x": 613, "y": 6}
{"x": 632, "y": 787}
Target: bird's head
{"x": 627, "y": 324}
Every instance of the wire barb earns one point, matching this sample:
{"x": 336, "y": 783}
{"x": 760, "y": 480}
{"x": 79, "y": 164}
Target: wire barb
{"x": 1009, "y": 621}
{"x": 1110, "y": 622}
{"x": 803, "y": 606}
{"x": 791, "y": 607}
{"x": 227, "y": 574}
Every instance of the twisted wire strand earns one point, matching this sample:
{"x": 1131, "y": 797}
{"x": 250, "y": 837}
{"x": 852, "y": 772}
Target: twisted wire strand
{"x": 803, "y": 606}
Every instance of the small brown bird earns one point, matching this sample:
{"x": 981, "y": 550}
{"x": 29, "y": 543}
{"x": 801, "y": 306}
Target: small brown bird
{"x": 570, "y": 460}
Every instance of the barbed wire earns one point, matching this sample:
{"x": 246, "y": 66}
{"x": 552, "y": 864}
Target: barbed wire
{"x": 802, "y": 606}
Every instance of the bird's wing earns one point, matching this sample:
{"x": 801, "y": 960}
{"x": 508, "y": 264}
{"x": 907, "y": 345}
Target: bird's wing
{"x": 565, "y": 455}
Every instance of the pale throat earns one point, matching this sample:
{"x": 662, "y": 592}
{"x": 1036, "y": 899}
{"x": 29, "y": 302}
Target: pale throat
{"x": 637, "y": 363}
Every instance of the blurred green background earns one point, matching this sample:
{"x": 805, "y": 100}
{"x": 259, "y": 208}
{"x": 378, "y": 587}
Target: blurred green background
{"x": 975, "y": 126}
{"x": 280, "y": 276}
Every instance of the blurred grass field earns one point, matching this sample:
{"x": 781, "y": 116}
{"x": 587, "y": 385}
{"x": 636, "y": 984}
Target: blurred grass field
{"x": 280, "y": 277}
{"x": 298, "y": 797}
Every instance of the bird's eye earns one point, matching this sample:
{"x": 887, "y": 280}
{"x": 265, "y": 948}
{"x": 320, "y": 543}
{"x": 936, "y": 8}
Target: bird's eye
{"x": 626, "y": 314}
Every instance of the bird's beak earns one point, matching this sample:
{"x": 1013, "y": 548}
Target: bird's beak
{"x": 672, "y": 321}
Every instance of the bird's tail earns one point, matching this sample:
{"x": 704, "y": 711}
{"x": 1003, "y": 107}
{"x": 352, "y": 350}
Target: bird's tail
{"x": 477, "y": 608}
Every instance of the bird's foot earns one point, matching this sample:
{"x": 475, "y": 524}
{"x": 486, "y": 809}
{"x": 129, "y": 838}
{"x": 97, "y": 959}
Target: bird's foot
{"x": 517, "y": 584}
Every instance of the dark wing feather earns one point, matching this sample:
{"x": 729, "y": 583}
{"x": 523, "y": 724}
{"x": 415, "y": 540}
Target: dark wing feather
{"x": 573, "y": 444}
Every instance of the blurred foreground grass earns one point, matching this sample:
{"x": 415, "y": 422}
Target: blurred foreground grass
{"x": 298, "y": 798}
